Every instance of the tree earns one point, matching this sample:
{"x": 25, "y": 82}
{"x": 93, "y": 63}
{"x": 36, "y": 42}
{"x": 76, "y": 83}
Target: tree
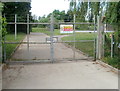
{"x": 19, "y": 8}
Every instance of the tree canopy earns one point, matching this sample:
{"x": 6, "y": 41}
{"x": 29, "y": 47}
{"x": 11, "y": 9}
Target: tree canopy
{"x": 19, "y": 8}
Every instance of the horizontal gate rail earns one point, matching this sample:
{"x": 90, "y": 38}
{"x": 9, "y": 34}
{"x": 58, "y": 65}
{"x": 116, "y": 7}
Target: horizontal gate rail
{"x": 48, "y": 42}
{"x": 23, "y": 23}
{"x": 37, "y": 23}
{"x": 74, "y": 23}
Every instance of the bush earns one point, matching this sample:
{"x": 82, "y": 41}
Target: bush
{"x": 112, "y": 61}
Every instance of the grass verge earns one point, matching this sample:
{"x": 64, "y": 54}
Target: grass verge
{"x": 112, "y": 61}
{"x": 11, "y": 47}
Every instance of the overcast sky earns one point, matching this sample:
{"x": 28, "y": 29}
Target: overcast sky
{"x": 44, "y": 7}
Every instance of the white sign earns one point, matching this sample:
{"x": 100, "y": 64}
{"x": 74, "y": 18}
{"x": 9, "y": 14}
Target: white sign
{"x": 66, "y": 28}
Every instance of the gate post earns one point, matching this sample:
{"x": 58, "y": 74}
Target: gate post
{"x": 28, "y": 32}
{"x": 100, "y": 39}
{"x": 15, "y": 26}
{"x": 74, "y": 45}
{"x": 0, "y": 34}
{"x": 51, "y": 38}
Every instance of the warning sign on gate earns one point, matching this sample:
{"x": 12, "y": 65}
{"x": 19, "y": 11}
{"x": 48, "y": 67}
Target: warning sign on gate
{"x": 66, "y": 28}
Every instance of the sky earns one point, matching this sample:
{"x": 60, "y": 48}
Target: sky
{"x": 44, "y": 7}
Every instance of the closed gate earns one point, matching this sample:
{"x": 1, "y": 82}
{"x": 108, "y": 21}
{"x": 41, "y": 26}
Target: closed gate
{"x": 50, "y": 45}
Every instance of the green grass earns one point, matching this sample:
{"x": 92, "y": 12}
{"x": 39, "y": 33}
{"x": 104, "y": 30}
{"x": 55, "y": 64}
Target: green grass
{"x": 85, "y": 27}
{"x": 11, "y": 47}
{"x": 46, "y": 31}
{"x": 86, "y": 47}
{"x": 112, "y": 61}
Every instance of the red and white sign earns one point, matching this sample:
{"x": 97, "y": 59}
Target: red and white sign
{"x": 66, "y": 28}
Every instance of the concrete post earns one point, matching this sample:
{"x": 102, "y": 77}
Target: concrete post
{"x": 74, "y": 38}
{"x": 51, "y": 38}
{"x": 100, "y": 39}
{"x": 94, "y": 51}
{"x": 15, "y": 26}
{"x": 28, "y": 32}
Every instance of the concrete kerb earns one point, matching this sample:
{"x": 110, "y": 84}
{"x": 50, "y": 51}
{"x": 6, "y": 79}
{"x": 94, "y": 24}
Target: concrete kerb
{"x": 115, "y": 70}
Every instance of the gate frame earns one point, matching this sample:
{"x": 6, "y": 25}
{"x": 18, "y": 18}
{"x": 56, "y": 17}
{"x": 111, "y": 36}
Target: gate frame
{"x": 51, "y": 35}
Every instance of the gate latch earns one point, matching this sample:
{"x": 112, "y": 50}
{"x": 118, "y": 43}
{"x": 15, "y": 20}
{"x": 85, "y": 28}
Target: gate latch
{"x": 55, "y": 39}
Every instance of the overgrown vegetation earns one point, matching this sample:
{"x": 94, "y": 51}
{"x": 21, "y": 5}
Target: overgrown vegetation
{"x": 0, "y": 34}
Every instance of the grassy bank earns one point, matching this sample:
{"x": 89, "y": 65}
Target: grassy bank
{"x": 112, "y": 61}
{"x": 11, "y": 47}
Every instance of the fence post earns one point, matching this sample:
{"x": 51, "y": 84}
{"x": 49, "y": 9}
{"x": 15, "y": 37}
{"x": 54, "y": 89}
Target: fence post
{"x": 28, "y": 32}
{"x": 100, "y": 39}
{"x": 112, "y": 45}
{"x": 94, "y": 51}
{"x": 15, "y": 26}
{"x": 4, "y": 46}
{"x": 0, "y": 36}
{"x": 51, "y": 38}
{"x": 74, "y": 37}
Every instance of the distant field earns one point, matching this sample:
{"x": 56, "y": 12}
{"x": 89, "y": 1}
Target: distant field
{"x": 43, "y": 30}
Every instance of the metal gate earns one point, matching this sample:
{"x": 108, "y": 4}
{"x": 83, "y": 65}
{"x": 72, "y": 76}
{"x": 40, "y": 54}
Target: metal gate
{"x": 56, "y": 48}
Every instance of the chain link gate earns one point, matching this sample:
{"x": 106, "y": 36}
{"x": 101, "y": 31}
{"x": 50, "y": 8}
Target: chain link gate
{"x": 57, "y": 49}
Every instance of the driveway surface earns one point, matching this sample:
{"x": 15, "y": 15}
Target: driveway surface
{"x": 42, "y": 51}
{"x": 82, "y": 74}
{"x": 69, "y": 75}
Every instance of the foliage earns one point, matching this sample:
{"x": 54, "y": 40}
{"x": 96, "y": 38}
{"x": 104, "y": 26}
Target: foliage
{"x": 4, "y": 24}
{"x": 111, "y": 17}
{"x": 58, "y": 17}
{"x": 112, "y": 61}
{"x": 19, "y": 8}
